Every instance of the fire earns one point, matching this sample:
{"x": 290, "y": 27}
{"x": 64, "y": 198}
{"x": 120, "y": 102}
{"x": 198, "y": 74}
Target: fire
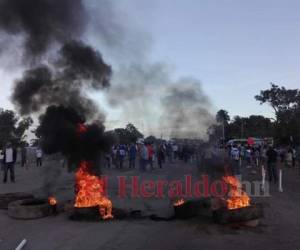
{"x": 179, "y": 202}
{"x": 52, "y": 201}
{"x": 90, "y": 191}
{"x": 81, "y": 128}
{"x": 237, "y": 198}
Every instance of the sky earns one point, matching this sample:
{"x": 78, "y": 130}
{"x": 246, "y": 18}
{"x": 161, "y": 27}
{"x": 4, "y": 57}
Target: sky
{"x": 235, "y": 48}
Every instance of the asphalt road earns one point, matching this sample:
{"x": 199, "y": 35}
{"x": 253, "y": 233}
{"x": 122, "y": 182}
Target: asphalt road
{"x": 279, "y": 229}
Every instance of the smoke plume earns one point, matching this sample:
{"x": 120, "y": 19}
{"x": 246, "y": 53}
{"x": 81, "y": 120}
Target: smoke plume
{"x": 141, "y": 87}
{"x": 77, "y": 68}
{"x": 148, "y": 96}
{"x": 62, "y": 69}
{"x": 42, "y": 23}
{"x": 186, "y": 109}
{"x": 61, "y": 132}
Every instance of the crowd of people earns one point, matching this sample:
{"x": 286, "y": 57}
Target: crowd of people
{"x": 148, "y": 155}
{"x": 9, "y": 156}
{"x": 266, "y": 156}
{"x": 141, "y": 155}
{"x": 145, "y": 156}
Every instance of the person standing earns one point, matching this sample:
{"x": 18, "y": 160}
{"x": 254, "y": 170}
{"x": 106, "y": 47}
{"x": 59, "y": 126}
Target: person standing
{"x": 294, "y": 157}
{"x": 175, "y": 151}
{"x": 249, "y": 156}
{"x": 282, "y": 153}
{"x": 257, "y": 156}
{"x": 264, "y": 156}
{"x": 143, "y": 153}
{"x": 207, "y": 159}
{"x": 170, "y": 152}
{"x": 23, "y": 156}
{"x": 297, "y": 157}
{"x": 160, "y": 156}
{"x": 272, "y": 164}
{"x": 121, "y": 155}
{"x": 185, "y": 153}
{"x": 150, "y": 151}
{"x": 1, "y": 160}
{"x": 114, "y": 156}
{"x": 108, "y": 160}
{"x": 289, "y": 158}
{"x": 242, "y": 154}
{"x": 9, "y": 159}
{"x": 38, "y": 155}
{"x": 235, "y": 156}
{"x": 132, "y": 155}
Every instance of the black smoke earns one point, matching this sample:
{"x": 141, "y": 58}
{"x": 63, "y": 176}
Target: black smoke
{"x": 78, "y": 68}
{"x": 26, "y": 88}
{"x": 82, "y": 63}
{"x": 60, "y": 71}
{"x": 42, "y": 22}
{"x": 63, "y": 131}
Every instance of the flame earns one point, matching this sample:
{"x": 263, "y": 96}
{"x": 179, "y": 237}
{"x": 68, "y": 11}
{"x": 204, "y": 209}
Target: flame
{"x": 81, "y": 128}
{"x": 52, "y": 201}
{"x": 90, "y": 191}
{"x": 237, "y": 198}
{"x": 179, "y": 202}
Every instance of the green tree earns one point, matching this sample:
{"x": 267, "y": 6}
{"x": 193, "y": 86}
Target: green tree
{"x": 134, "y": 132}
{"x": 222, "y": 116}
{"x": 254, "y": 126}
{"x": 151, "y": 139}
{"x": 13, "y": 128}
{"x": 286, "y": 106}
{"x": 236, "y": 129}
{"x": 127, "y": 135}
{"x": 122, "y": 135}
{"x": 279, "y": 98}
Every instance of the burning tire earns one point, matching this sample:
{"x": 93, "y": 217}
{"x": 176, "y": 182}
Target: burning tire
{"x": 85, "y": 213}
{"x": 29, "y": 209}
{"x": 244, "y": 214}
{"x": 185, "y": 211}
{"x": 5, "y": 199}
{"x": 191, "y": 208}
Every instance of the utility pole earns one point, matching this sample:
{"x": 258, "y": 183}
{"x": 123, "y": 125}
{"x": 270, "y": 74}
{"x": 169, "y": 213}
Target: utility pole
{"x": 242, "y": 130}
{"x": 223, "y": 128}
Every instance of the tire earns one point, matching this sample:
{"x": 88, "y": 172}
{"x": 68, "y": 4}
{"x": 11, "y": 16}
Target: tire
{"x": 29, "y": 209}
{"x": 7, "y": 198}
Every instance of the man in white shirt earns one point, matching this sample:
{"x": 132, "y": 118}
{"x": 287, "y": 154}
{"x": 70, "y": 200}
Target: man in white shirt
{"x": 235, "y": 156}
{"x": 175, "y": 150}
{"x": 9, "y": 159}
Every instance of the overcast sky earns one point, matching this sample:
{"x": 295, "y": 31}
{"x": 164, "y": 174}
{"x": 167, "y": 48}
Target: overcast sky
{"x": 235, "y": 48}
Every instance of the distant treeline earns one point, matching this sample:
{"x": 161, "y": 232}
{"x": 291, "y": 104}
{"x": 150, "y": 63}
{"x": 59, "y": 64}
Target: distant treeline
{"x": 284, "y": 128}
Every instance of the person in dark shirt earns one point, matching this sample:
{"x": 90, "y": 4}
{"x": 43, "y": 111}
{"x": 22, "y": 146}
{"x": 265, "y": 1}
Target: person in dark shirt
{"x": 272, "y": 164}
{"x": 160, "y": 156}
{"x": 132, "y": 155}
